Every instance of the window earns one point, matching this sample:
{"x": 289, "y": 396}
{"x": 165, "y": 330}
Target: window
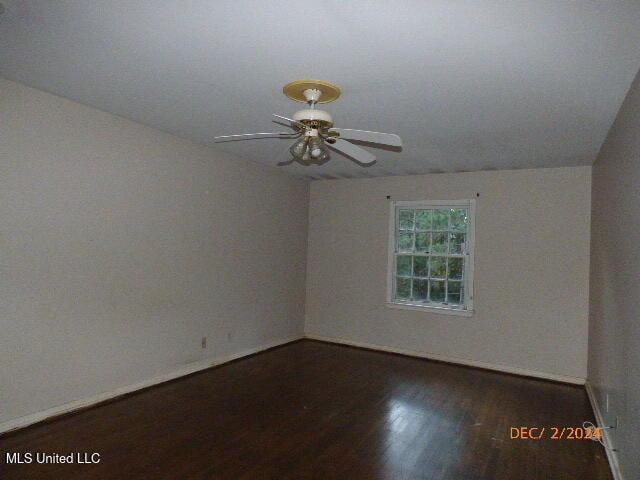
{"x": 431, "y": 255}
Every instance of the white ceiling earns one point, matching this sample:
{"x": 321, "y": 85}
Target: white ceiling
{"x": 469, "y": 85}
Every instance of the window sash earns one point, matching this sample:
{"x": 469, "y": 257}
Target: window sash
{"x": 429, "y": 278}
{"x": 465, "y": 300}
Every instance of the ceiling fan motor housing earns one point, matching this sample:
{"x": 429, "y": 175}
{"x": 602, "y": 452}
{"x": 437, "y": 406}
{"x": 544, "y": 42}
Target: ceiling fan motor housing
{"x": 311, "y": 114}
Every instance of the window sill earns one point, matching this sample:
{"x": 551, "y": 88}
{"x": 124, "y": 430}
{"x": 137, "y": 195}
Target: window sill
{"x": 430, "y": 309}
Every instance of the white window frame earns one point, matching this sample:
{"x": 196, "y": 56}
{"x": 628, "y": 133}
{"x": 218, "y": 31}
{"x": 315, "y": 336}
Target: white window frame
{"x": 467, "y": 309}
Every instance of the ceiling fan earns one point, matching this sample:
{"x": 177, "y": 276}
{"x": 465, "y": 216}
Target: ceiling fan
{"x": 314, "y": 130}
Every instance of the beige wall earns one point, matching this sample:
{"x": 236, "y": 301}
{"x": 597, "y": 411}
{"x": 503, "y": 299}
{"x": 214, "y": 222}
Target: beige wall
{"x": 531, "y": 268}
{"x": 614, "y": 326}
{"x": 121, "y": 246}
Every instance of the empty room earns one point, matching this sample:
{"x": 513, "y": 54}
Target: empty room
{"x": 336, "y": 240}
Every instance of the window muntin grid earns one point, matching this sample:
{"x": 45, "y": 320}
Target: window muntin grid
{"x": 431, "y": 258}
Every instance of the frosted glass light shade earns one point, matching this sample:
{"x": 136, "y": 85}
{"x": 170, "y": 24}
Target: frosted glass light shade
{"x": 299, "y": 148}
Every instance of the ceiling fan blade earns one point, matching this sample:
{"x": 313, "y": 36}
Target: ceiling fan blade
{"x": 360, "y": 155}
{"x": 249, "y": 136}
{"x": 291, "y": 120}
{"x": 371, "y": 137}
{"x": 284, "y": 163}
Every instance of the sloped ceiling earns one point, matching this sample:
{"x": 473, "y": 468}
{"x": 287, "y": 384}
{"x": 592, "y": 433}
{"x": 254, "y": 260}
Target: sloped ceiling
{"x": 469, "y": 85}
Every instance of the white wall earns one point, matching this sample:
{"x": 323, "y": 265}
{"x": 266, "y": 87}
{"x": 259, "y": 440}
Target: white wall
{"x": 531, "y": 268}
{"x": 614, "y": 326}
{"x": 121, "y": 246}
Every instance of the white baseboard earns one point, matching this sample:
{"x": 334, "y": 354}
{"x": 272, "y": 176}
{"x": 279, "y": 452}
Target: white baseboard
{"x": 210, "y": 362}
{"x": 101, "y": 397}
{"x": 456, "y": 360}
{"x": 611, "y": 455}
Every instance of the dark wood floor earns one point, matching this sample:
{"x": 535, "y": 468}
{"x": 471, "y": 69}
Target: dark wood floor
{"x": 314, "y": 410}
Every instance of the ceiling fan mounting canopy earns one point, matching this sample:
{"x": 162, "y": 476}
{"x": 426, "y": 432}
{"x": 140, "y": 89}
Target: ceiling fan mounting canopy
{"x": 312, "y": 92}
{"x": 296, "y": 91}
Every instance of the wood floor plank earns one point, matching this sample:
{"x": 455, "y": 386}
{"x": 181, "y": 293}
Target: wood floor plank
{"x": 311, "y": 410}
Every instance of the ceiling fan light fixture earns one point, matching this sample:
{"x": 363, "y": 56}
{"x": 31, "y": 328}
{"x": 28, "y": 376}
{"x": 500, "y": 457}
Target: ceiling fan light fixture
{"x": 299, "y": 148}
{"x": 324, "y": 156}
{"x": 316, "y": 147}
